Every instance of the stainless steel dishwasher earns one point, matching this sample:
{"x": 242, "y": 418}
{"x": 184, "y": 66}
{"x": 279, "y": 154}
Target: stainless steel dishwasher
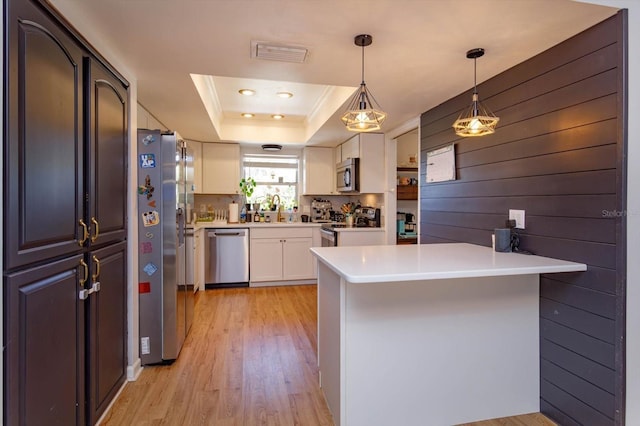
{"x": 227, "y": 258}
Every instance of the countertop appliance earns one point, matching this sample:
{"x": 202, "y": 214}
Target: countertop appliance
{"x": 166, "y": 195}
{"x": 367, "y": 217}
{"x": 321, "y": 210}
{"x": 348, "y": 175}
{"x": 406, "y": 227}
{"x": 227, "y": 258}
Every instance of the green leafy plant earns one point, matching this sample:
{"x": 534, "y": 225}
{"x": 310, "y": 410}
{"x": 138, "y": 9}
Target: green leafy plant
{"x": 247, "y": 185}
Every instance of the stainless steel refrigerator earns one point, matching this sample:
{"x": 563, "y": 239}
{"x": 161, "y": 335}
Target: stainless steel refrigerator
{"x": 165, "y": 199}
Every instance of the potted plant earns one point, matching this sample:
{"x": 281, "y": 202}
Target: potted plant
{"x": 247, "y": 185}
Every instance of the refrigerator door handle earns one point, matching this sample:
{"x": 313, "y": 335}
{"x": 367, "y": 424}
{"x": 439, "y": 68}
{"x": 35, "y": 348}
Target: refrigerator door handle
{"x": 181, "y": 225}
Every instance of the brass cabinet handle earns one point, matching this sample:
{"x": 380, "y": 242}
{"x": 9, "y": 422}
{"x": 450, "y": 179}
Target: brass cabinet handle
{"x": 85, "y": 232}
{"x": 95, "y": 235}
{"x": 94, "y": 277}
{"x": 83, "y": 280}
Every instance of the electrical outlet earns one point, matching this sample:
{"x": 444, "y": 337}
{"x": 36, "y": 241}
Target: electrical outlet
{"x": 518, "y": 216}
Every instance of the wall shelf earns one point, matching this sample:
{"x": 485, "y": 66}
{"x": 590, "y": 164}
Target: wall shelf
{"x": 407, "y": 192}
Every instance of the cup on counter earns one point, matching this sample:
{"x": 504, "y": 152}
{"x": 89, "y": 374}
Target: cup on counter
{"x": 349, "y": 221}
{"x": 304, "y": 217}
{"x": 502, "y": 240}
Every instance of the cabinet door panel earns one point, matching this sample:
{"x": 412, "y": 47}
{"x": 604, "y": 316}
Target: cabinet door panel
{"x": 220, "y": 168}
{"x": 266, "y": 259}
{"x": 298, "y": 260}
{"x": 319, "y": 171}
{"x": 107, "y": 149}
{"x": 44, "y": 345}
{"x": 43, "y": 159}
{"x": 107, "y": 328}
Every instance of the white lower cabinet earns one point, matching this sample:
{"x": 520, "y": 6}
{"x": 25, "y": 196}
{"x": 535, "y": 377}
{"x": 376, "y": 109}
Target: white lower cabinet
{"x": 297, "y": 261}
{"x": 281, "y": 255}
{"x": 266, "y": 259}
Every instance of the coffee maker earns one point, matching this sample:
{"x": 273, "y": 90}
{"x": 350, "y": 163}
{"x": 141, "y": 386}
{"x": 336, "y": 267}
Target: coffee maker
{"x": 320, "y": 210}
{"x": 367, "y": 217}
{"x": 406, "y": 225}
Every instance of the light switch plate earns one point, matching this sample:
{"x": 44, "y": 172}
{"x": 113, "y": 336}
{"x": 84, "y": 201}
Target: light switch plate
{"x": 518, "y": 216}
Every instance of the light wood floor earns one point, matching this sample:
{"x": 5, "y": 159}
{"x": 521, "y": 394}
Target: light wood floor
{"x": 249, "y": 359}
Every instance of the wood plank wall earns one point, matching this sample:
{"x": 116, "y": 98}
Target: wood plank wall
{"x": 558, "y": 153}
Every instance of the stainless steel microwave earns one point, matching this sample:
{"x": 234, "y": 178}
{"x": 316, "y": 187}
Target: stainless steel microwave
{"x": 348, "y": 175}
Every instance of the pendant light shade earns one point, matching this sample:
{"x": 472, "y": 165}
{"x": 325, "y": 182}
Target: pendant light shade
{"x": 363, "y": 112}
{"x": 476, "y": 120}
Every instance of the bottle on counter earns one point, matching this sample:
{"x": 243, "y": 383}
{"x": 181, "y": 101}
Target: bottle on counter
{"x": 243, "y": 215}
{"x": 256, "y": 217}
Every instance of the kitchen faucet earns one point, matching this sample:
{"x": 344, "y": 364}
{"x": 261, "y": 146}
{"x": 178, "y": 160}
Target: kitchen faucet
{"x": 279, "y": 217}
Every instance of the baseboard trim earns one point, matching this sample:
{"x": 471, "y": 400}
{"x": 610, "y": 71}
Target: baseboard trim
{"x": 277, "y": 283}
{"x": 133, "y": 371}
{"x": 113, "y": 401}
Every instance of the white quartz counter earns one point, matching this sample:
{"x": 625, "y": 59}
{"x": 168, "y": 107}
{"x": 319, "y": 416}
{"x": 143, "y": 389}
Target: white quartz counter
{"x": 369, "y": 264}
{"x": 218, "y": 225}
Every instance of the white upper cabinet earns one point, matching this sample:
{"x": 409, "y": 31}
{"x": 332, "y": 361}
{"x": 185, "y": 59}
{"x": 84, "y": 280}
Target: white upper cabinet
{"x": 372, "y": 165}
{"x": 351, "y": 148}
{"x": 369, "y": 148}
{"x": 196, "y": 150}
{"x": 220, "y": 168}
{"x": 318, "y": 171}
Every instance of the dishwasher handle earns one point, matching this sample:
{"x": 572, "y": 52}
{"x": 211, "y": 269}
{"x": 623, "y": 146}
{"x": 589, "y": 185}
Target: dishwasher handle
{"x": 226, "y": 234}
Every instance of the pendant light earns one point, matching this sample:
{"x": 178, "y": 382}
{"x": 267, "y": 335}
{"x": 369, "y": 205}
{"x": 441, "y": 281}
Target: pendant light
{"x": 363, "y": 113}
{"x": 477, "y": 120}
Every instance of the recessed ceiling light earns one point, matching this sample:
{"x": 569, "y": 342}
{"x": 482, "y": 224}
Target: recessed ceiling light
{"x": 285, "y": 95}
{"x": 277, "y": 116}
{"x": 247, "y": 115}
{"x": 247, "y": 92}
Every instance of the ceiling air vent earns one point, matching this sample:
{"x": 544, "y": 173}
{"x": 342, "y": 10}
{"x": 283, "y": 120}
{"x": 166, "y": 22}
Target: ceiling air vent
{"x": 278, "y": 52}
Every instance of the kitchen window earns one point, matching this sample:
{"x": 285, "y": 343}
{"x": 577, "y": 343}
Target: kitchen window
{"x": 274, "y": 174}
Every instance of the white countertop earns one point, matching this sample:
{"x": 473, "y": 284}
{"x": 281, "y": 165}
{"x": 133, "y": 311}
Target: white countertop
{"x": 274, "y": 225}
{"x": 368, "y": 264}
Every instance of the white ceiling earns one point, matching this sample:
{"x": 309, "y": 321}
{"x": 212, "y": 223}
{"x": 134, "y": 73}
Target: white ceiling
{"x": 417, "y": 59}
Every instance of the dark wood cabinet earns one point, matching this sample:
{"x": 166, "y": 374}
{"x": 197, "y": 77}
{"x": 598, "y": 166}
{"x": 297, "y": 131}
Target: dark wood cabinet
{"x": 106, "y": 327}
{"x": 65, "y": 194}
{"x": 44, "y": 338}
{"x": 106, "y": 136}
{"x": 43, "y": 188}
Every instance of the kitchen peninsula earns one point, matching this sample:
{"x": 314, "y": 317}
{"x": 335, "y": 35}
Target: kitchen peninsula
{"x": 434, "y": 334}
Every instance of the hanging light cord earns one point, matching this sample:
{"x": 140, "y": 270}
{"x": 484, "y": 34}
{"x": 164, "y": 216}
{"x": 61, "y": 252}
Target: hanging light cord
{"x": 363, "y": 98}
{"x": 475, "y": 73}
{"x": 475, "y": 88}
{"x": 362, "y": 64}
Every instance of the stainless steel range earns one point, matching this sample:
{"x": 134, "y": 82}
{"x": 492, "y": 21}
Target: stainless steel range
{"x": 366, "y": 217}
